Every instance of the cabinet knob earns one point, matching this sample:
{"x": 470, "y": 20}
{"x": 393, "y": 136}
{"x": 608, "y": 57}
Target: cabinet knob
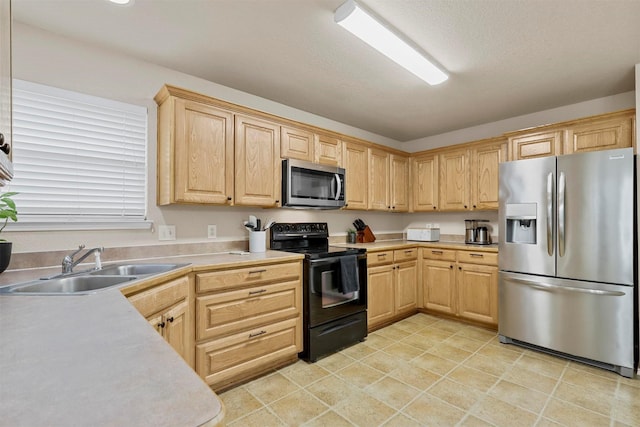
{"x": 277, "y": 201}
{"x": 434, "y": 207}
{"x": 474, "y": 206}
{"x": 465, "y": 206}
{"x": 160, "y": 325}
{"x": 451, "y": 266}
{"x": 170, "y": 319}
{"x": 229, "y": 198}
{"x": 459, "y": 268}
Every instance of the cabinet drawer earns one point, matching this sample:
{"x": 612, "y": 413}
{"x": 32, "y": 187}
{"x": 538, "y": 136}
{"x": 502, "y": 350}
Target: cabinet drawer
{"x": 487, "y": 258}
{"x": 160, "y": 297}
{"x": 229, "y": 312}
{"x": 407, "y": 254}
{"x": 220, "y": 361}
{"x": 250, "y": 276}
{"x": 440, "y": 254}
{"x": 379, "y": 258}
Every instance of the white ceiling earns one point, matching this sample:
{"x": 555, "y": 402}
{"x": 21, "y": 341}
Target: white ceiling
{"x": 505, "y": 57}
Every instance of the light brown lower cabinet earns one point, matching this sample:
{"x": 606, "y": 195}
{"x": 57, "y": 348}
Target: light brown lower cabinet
{"x": 167, "y": 308}
{"x": 248, "y": 321}
{"x": 461, "y": 283}
{"x": 392, "y": 286}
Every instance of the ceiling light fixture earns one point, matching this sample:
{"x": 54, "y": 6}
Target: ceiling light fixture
{"x": 361, "y": 24}
{"x": 122, "y": 2}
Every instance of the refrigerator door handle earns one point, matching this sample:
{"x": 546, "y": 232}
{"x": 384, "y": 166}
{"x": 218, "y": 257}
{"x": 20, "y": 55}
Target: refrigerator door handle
{"x": 554, "y": 288}
{"x": 550, "y": 214}
{"x": 561, "y": 209}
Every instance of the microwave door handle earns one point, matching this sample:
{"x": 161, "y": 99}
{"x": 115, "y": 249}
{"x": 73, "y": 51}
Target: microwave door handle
{"x": 339, "y": 186}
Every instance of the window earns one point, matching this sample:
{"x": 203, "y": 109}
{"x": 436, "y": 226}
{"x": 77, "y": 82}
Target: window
{"x": 79, "y": 161}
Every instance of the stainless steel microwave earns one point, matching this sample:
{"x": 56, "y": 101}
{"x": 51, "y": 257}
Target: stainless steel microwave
{"x": 312, "y": 186}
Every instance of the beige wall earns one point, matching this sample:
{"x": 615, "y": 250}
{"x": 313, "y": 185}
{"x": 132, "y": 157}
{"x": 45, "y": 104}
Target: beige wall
{"x": 46, "y": 58}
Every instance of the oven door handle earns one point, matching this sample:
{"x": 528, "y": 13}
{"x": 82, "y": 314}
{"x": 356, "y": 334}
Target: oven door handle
{"x": 332, "y": 260}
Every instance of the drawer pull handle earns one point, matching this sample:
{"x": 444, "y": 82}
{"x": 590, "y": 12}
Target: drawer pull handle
{"x": 477, "y": 255}
{"x": 436, "y": 252}
{"x": 382, "y": 255}
{"x": 259, "y": 291}
{"x": 409, "y": 251}
{"x": 258, "y": 271}
{"x": 257, "y": 334}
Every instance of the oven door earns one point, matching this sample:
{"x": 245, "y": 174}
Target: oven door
{"x": 323, "y": 297}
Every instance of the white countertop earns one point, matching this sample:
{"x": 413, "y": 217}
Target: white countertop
{"x": 93, "y": 360}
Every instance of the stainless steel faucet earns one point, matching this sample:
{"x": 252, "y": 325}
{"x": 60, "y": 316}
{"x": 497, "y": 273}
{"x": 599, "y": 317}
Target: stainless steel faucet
{"x": 68, "y": 263}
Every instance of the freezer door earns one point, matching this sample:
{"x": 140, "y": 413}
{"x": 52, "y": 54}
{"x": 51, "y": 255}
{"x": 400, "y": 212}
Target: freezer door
{"x": 589, "y": 320}
{"x": 596, "y": 216}
{"x": 527, "y": 216}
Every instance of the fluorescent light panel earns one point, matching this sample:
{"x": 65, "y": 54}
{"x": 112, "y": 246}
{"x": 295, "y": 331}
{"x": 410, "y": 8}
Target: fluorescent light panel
{"x": 359, "y": 23}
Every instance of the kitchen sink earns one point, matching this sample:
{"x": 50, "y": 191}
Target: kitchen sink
{"x": 135, "y": 269}
{"x": 87, "y": 282}
{"x": 67, "y": 285}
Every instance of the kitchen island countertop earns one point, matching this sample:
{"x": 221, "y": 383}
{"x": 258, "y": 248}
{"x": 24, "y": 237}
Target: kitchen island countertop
{"x": 94, "y": 360}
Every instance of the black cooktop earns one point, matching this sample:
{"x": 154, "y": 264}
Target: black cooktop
{"x": 310, "y": 239}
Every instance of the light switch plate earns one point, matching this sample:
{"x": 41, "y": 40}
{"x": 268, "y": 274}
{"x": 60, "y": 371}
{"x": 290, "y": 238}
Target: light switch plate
{"x": 212, "y": 231}
{"x": 167, "y": 232}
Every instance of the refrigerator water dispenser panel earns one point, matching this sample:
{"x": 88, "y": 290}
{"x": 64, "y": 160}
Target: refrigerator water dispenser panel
{"x": 521, "y": 223}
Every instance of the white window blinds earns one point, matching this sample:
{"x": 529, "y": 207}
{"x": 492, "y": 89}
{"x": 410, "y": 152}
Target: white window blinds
{"x": 77, "y": 158}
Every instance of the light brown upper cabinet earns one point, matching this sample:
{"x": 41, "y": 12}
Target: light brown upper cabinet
{"x": 485, "y": 159}
{"x": 399, "y": 183}
{"x": 601, "y": 133}
{"x": 454, "y": 180}
{"x": 355, "y": 161}
{"x": 535, "y": 144}
{"x": 296, "y": 143}
{"x": 379, "y": 168}
{"x": 327, "y": 150}
{"x": 425, "y": 182}
{"x": 257, "y": 161}
{"x": 195, "y": 153}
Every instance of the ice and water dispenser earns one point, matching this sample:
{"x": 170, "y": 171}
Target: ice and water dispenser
{"x": 521, "y": 222}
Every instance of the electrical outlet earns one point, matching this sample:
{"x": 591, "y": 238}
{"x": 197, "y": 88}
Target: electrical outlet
{"x": 167, "y": 232}
{"x": 212, "y": 231}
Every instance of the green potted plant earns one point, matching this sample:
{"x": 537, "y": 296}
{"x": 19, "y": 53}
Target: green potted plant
{"x": 7, "y": 212}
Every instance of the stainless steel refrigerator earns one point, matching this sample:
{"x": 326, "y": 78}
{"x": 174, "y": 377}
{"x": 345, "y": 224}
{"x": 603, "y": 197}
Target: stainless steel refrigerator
{"x": 567, "y": 257}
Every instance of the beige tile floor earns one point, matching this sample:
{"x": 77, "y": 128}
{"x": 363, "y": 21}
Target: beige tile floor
{"x": 427, "y": 371}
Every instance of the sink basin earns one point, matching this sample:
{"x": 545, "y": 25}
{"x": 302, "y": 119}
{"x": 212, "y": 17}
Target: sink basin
{"x": 135, "y": 269}
{"x": 67, "y": 285}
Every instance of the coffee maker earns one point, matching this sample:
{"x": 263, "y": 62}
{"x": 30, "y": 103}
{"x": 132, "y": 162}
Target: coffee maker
{"x": 476, "y": 234}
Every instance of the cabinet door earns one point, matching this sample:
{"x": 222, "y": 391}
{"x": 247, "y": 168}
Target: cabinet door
{"x": 399, "y": 183}
{"x": 439, "y": 284}
{"x": 540, "y": 144}
{"x": 328, "y": 150}
{"x": 425, "y": 183}
{"x": 176, "y": 330}
{"x": 406, "y": 297}
{"x": 356, "y": 161}
{"x": 257, "y": 162}
{"x": 380, "y": 292}
{"x": 203, "y": 151}
{"x": 484, "y": 174}
{"x": 379, "y": 180}
{"x": 454, "y": 180}
{"x": 296, "y": 143}
{"x": 478, "y": 293}
{"x": 600, "y": 134}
